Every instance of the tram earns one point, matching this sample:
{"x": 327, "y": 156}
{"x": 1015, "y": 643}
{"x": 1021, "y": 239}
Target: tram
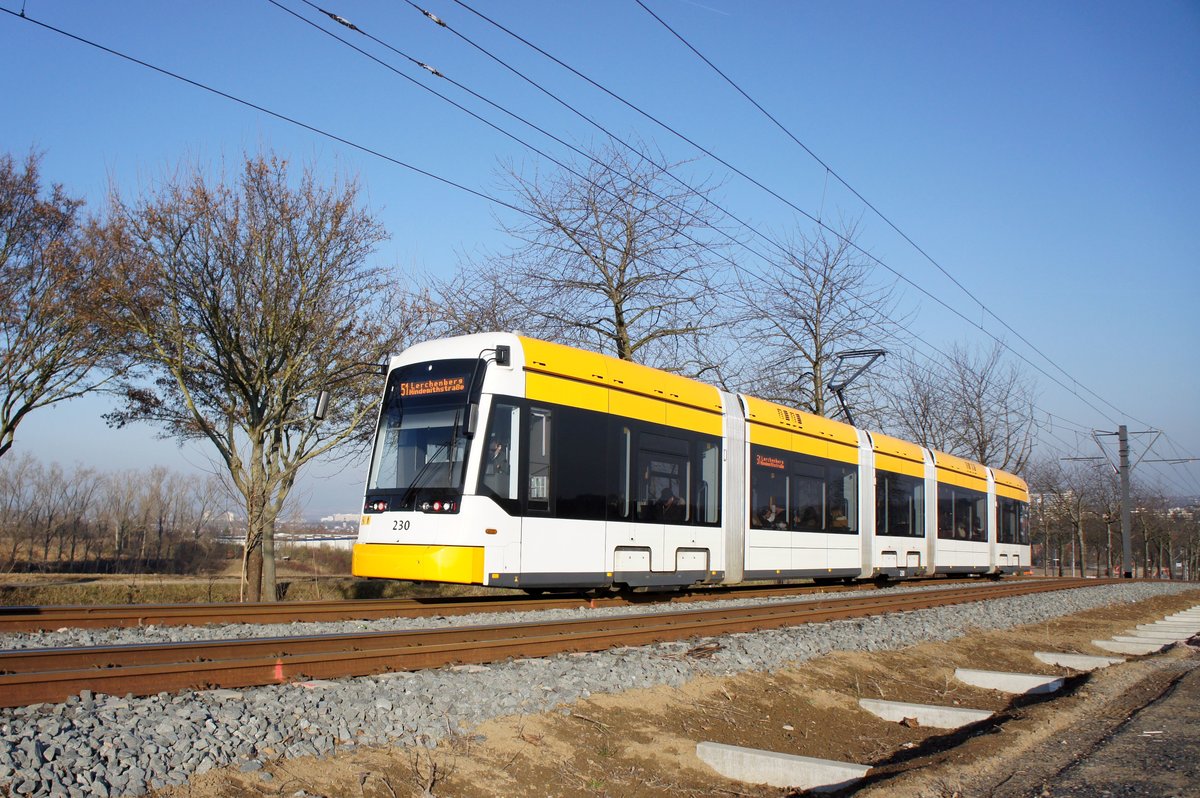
{"x": 507, "y": 461}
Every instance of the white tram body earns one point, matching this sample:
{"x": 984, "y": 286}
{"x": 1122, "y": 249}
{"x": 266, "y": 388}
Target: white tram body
{"x": 506, "y": 461}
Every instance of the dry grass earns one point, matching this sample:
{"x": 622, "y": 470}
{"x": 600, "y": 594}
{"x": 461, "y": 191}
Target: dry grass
{"x": 84, "y": 589}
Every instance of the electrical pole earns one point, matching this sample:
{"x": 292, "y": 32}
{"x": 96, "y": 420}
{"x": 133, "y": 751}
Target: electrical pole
{"x": 1126, "y": 523}
{"x": 1123, "y": 469}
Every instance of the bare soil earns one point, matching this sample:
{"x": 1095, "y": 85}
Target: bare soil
{"x": 642, "y": 743}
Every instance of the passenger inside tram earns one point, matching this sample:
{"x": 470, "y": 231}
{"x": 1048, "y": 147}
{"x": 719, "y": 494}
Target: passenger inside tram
{"x": 773, "y": 516}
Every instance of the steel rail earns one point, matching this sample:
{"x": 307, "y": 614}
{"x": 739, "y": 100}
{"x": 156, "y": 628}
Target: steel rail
{"x": 34, "y": 676}
{"x": 50, "y": 618}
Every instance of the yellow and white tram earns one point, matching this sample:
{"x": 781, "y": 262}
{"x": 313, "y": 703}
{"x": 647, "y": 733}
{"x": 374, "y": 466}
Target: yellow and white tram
{"x": 507, "y": 461}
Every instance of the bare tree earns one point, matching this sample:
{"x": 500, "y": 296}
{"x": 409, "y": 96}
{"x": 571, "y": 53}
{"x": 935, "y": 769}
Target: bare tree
{"x": 50, "y": 346}
{"x": 241, "y": 302}
{"x": 974, "y": 404}
{"x": 819, "y": 301}
{"x": 1069, "y": 495}
{"x": 993, "y": 400}
{"x": 612, "y": 254}
{"x": 17, "y": 497}
{"x": 117, "y": 509}
{"x": 921, "y": 408}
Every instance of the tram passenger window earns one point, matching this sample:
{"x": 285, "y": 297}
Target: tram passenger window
{"x": 665, "y": 471}
{"x": 539, "y": 459}
{"x": 498, "y": 477}
{"x": 842, "y": 490}
{"x": 899, "y": 505}
{"x": 1014, "y": 521}
{"x": 945, "y": 513}
{"x": 662, "y": 498}
{"x": 808, "y": 497}
{"x": 979, "y": 532}
{"x": 961, "y": 514}
{"x": 1006, "y": 512}
{"x": 768, "y": 489}
{"x": 962, "y": 518}
{"x": 708, "y": 499}
{"x": 620, "y": 506}
{"x": 579, "y": 479}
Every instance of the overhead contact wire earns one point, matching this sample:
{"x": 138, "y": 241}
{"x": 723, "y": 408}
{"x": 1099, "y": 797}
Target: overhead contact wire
{"x": 793, "y": 206}
{"x": 831, "y": 171}
{"x": 263, "y": 109}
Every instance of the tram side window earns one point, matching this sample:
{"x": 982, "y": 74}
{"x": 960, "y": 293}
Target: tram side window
{"x": 808, "y": 497}
{"x": 899, "y": 505}
{"x": 768, "y": 490}
{"x": 623, "y": 500}
{"x": 843, "y": 498}
{"x": 978, "y": 509}
{"x": 665, "y": 473}
{"x": 498, "y": 477}
{"x": 538, "y": 447}
{"x": 1007, "y": 516}
{"x": 579, "y": 477}
{"x": 802, "y": 493}
{"x": 708, "y": 496}
{"x": 1023, "y": 523}
{"x": 961, "y": 514}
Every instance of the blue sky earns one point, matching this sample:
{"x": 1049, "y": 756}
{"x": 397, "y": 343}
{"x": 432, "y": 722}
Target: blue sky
{"x": 1046, "y": 154}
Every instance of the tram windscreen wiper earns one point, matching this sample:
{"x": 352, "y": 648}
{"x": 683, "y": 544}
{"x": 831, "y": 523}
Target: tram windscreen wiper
{"x": 453, "y": 448}
{"x": 419, "y": 480}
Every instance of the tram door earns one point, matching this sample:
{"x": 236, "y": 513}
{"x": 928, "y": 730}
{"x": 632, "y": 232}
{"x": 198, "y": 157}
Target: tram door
{"x": 542, "y": 549}
{"x": 500, "y": 480}
{"x": 635, "y": 527}
{"x": 562, "y": 530}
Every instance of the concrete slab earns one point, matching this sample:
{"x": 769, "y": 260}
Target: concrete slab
{"x": 1079, "y": 662}
{"x": 755, "y": 766}
{"x": 1181, "y": 631}
{"x": 1149, "y": 637}
{"x": 1020, "y": 683}
{"x": 1118, "y": 647}
{"x": 937, "y": 717}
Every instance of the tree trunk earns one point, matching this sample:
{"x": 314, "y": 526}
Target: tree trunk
{"x": 1082, "y": 547}
{"x": 252, "y": 567}
{"x": 270, "y": 589}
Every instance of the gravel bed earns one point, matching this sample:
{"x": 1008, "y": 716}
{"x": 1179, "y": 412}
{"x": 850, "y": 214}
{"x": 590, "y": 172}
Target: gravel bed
{"x": 109, "y": 745}
{"x": 115, "y": 636}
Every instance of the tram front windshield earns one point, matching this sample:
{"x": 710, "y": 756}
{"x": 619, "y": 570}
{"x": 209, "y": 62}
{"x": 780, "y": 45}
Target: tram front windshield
{"x": 420, "y": 446}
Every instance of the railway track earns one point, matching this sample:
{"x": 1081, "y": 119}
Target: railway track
{"x": 50, "y": 618}
{"x": 42, "y": 619}
{"x": 52, "y": 675}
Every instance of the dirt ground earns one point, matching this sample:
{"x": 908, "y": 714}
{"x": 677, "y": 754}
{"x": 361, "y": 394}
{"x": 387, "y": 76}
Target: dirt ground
{"x": 642, "y": 743}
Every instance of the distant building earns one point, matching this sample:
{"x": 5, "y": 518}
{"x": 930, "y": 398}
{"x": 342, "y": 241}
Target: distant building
{"x": 337, "y": 540}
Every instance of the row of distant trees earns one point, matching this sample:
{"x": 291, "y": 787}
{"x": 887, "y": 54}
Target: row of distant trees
{"x": 217, "y": 307}
{"x": 55, "y": 518}
{"x": 1076, "y": 515}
